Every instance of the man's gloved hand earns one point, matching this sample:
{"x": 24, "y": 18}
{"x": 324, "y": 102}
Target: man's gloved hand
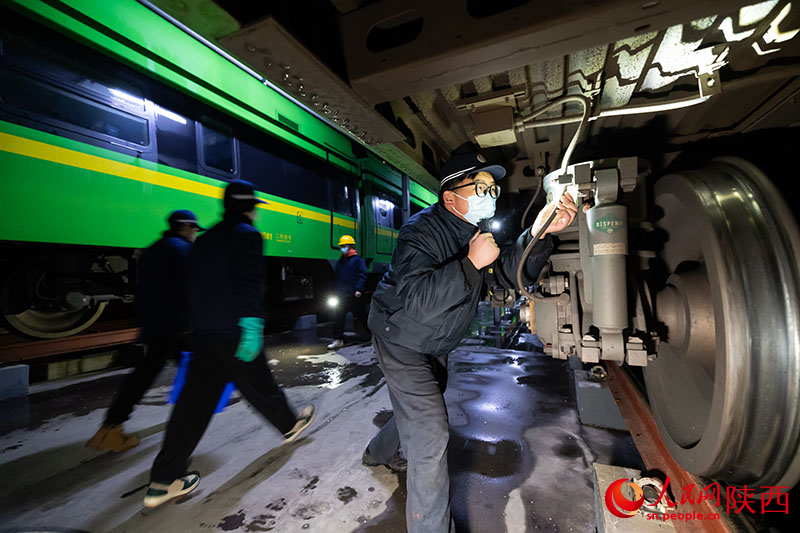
{"x": 252, "y": 338}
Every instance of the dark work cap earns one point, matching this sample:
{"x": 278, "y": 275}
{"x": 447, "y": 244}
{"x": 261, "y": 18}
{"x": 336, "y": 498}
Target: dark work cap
{"x": 184, "y": 216}
{"x": 241, "y": 193}
{"x": 459, "y": 166}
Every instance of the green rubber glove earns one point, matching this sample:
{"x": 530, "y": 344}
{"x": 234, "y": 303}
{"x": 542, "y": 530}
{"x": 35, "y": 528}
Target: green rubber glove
{"x": 252, "y": 338}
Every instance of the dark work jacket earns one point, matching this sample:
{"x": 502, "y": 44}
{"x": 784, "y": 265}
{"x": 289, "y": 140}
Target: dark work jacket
{"x": 161, "y": 294}
{"x": 226, "y": 277}
{"x": 351, "y": 274}
{"x": 429, "y": 297}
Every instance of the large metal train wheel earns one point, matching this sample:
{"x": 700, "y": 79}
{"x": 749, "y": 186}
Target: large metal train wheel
{"x": 44, "y": 320}
{"x": 725, "y": 388}
{"x": 54, "y": 324}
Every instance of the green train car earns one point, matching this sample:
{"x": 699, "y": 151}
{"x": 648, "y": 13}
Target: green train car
{"x": 110, "y": 118}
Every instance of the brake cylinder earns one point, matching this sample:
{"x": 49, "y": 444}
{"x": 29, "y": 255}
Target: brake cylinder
{"x": 608, "y": 246}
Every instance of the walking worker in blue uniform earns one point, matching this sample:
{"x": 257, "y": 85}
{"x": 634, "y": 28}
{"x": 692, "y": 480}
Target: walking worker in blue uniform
{"x": 226, "y": 318}
{"x": 422, "y": 308}
{"x": 161, "y": 306}
{"x": 351, "y": 274}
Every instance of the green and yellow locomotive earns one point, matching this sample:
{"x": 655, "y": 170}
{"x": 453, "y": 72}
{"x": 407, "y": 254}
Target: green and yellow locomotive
{"x": 104, "y": 131}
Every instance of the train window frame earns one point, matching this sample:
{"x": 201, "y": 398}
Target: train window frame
{"x": 350, "y": 185}
{"x": 32, "y": 68}
{"x": 203, "y": 167}
{"x": 44, "y": 65}
{"x": 166, "y": 118}
{"x": 379, "y": 188}
{"x": 33, "y": 117}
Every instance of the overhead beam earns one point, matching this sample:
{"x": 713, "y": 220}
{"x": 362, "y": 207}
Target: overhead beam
{"x": 452, "y": 41}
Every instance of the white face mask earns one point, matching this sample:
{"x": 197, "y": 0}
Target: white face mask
{"x": 480, "y": 208}
{"x": 344, "y": 249}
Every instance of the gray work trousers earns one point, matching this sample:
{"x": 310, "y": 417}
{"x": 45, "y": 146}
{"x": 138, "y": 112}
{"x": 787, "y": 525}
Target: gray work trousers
{"x": 416, "y": 387}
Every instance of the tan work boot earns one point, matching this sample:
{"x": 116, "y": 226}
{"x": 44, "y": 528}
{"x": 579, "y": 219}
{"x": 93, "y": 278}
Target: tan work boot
{"x": 111, "y": 438}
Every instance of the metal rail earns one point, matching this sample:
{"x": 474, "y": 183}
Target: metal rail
{"x": 16, "y": 349}
{"x": 644, "y": 431}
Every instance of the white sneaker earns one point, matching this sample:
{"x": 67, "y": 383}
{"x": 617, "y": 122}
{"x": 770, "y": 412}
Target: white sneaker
{"x": 158, "y": 493}
{"x": 338, "y": 343}
{"x": 304, "y": 419}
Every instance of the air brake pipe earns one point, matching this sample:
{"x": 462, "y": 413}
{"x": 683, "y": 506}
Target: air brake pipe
{"x": 525, "y": 123}
{"x": 778, "y": 73}
{"x": 584, "y": 119}
{"x": 564, "y": 165}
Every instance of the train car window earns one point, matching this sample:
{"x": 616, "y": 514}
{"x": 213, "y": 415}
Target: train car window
{"x": 176, "y": 142}
{"x": 39, "y": 100}
{"x": 218, "y": 149}
{"x": 62, "y": 70}
{"x": 343, "y": 196}
{"x": 283, "y": 178}
{"x": 305, "y": 186}
{"x": 387, "y": 208}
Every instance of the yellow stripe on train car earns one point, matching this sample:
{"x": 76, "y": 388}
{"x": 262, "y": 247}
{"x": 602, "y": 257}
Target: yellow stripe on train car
{"x": 73, "y": 158}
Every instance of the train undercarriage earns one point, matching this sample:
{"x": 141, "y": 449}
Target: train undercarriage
{"x": 52, "y": 291}
{"x": 56, "y": 291}
{"x": 695, "y": 281}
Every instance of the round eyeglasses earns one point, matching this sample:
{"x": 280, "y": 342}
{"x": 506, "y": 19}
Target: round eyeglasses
{"x": 481, "y": 189}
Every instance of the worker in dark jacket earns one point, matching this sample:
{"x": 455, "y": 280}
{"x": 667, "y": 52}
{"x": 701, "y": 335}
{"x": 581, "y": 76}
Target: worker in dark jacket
{"x": 422, "y": 308}
{"x": 161, "y": 306}
{"x": 350, "y": 274}
{"x": 225, "y": 292}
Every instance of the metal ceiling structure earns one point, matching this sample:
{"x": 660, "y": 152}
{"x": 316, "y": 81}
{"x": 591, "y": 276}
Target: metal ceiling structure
{"x": 422, "y": 78}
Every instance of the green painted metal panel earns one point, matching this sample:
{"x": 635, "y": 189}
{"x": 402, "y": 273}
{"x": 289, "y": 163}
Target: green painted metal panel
{"x": 386, "y": 240}
{"x": 379, "y": 241}
{"x": 70, "y": 144}
{"x": 154, "y": 45}
{"x": 378, "y": 167}
{"x": 203, "y": 16}
{"x": 383, "y": 184}
{"x": 53, "y": 197}
{"x": 50, "y": 201}
{"x": 420, "y": 195}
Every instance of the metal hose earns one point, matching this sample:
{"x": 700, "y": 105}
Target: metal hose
{"x": 581, "y": 127}
{"x": 564, "y": 165}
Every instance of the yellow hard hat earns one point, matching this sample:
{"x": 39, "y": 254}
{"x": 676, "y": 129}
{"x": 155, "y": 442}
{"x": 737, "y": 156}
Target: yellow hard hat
{"x": 346, "y": 239}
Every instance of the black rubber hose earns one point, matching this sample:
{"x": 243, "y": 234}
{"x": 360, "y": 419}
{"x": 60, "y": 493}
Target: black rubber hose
{"x": 530, "y": 204}
{"x": 527, "y": 252}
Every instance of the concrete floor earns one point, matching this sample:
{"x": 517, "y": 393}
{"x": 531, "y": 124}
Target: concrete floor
{"x": 520, "y": 459}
